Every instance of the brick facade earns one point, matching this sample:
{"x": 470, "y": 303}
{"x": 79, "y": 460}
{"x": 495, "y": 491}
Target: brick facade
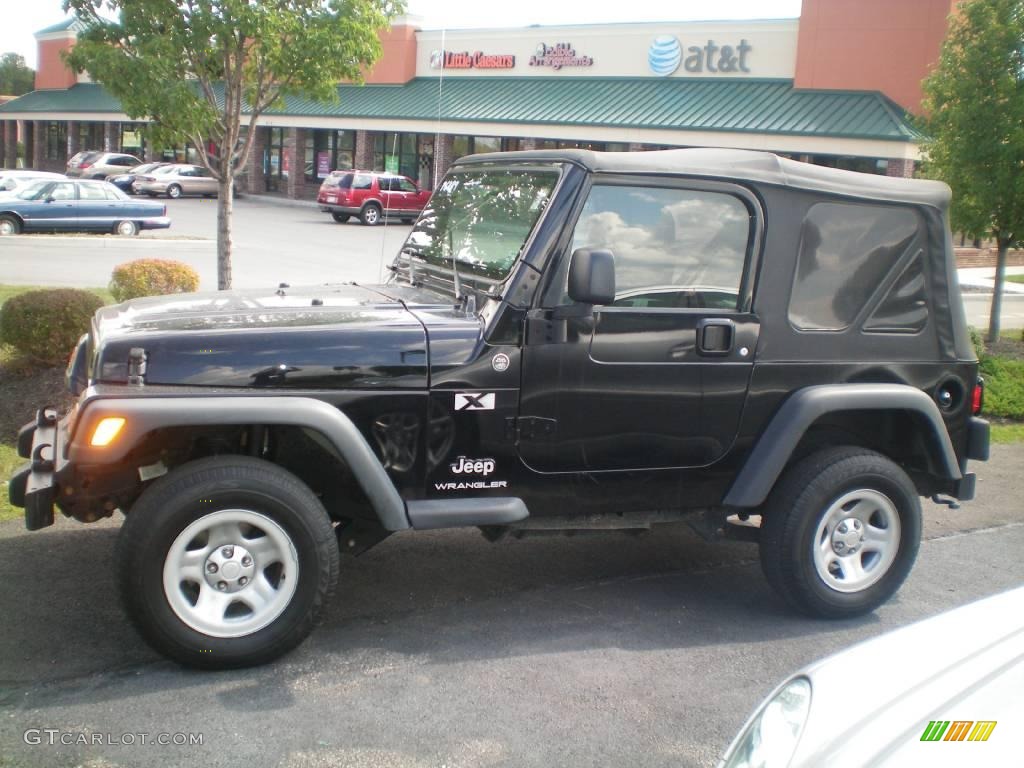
{"x": 900, "y": 168}
{"x": 110, "y": 136}
{"x": 364, "y": 150}
{"x": 444, "y": 151}
{"x": 10, "y": 139}
{"x": 73, "y": 142}
{"x": 255, "y": 180}
{"x": 985, "y": 257}
{"x": 38, "y": 153}
{"x": 295, "y": 153}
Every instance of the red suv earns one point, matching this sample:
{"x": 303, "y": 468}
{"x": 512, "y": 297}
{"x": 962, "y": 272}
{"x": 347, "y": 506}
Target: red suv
{"x": 370, "y": 195}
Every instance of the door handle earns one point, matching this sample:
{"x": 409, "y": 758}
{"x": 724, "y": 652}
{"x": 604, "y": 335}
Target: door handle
{"x": 715, "y": 336}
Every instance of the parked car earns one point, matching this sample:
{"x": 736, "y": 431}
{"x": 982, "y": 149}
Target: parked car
{"x": 78, "y": 206}
{"x": 12, "y": 181}
{"x": 126, "y": 181}
{"x": 806, "y": 401}
{"x": 956, "y": 677}
{"x": 370, "y": 196}
{"x": 176, "y": 180}
{"x": 99, "y": 165}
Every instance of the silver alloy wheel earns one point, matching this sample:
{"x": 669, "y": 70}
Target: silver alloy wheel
{"x": 8, "y": 227}
{"x": 231, "y": 573}
{"x": 126, "y": 228}
{"x": 857, "y": 540}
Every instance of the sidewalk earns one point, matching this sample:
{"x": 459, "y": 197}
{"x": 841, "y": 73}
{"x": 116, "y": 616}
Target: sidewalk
{"x": 981, "y": 280}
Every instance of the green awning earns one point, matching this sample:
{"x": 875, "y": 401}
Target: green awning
{"x": 770, "y": 107}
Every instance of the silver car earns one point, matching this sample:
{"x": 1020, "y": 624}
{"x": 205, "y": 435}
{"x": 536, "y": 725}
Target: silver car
{"x": 947, "y": 691}
{"x": 177, "y": 180}
{"x": 99, "y": 165}
{"x": 11, "y": 181}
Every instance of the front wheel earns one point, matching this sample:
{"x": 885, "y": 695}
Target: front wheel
{"x": 840, "y": 532}
{"x": 341, "y": 218}
{"x": 371, "y": 215}
{"x": 9, "y": 226}
{"x": 174, "y": 191}
{"x": 226, "y": 562}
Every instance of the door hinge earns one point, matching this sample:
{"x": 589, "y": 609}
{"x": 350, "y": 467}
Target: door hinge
{"x": 529, "y": 428}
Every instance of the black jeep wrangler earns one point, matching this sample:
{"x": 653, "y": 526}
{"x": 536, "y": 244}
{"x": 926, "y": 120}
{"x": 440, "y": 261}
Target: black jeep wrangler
{"x": 772, "y": 350}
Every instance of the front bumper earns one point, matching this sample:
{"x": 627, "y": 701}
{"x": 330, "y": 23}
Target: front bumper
{"x": 34, "y": 486}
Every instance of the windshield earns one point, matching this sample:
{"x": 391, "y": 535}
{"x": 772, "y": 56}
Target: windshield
{"x": 479, "y": 220}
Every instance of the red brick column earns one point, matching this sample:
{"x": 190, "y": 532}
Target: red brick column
{"x": 38, "y": 153}
{"x": 3, "y": 143}
{"x": 364, "y": 151}
{"x": 256, "y": 182}
{"x": 110, "y": 137}
{"x": 73, "y": 147}
{"x": 444, "y": 146}
{"x": 295, "y": 150}
{"x": 11, "y": 139}
{"x": 901, "y": 168}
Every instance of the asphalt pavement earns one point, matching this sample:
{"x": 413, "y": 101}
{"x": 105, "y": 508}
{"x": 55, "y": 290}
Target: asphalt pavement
{"x": 444, "y": 650}
{"x": 274, "y": 242}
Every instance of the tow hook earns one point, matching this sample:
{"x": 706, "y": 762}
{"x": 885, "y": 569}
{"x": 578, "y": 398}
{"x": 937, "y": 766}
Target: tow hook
{"x": 951, "y": 503}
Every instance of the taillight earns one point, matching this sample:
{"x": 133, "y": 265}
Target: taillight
{"x": 165, "y": 211}
{"x": 84, "y": 165}
{"x": 978, "y": 397}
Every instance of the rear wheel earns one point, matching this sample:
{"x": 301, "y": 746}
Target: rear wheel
{"x": 341, "y": 218}
{"x": 370, "y": 215}
{"x": 126, "y": 228}
{"x": 174, "y": 191}
{"x": 841, "y": 532}
{"x": 9, "y": 226}
{"x": 226, "y": 562}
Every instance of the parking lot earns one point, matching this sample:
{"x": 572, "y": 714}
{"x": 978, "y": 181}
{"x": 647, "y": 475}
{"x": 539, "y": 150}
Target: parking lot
{"x": 441, "y": 649}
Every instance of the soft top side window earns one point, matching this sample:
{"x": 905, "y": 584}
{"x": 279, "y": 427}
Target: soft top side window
{"x": 846, "y": 252}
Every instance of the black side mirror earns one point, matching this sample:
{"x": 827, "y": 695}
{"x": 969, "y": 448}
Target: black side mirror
{"x": 50, "y": 198}
{"x": 592, "y": 277}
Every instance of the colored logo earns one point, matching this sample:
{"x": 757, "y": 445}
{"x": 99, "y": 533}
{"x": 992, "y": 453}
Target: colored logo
{"x": 958, "y": 730}
{"x": 664, "y": 55}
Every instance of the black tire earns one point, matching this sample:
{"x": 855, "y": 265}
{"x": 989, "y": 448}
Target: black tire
{"x": 795, "y": 516}
{"x": 10, "y": 225}
{"x": 341, "y": 218}
{"x": 407, "y": 220}
{"x": 174, "y": 191}
{"x": 206, "y": 490}
{"x": 370, "y": 215}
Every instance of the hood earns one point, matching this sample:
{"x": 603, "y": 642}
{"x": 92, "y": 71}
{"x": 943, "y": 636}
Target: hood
{"x": 322, "y": 337}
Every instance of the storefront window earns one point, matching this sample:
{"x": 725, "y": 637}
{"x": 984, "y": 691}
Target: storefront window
{"x": 275, "y": 161}
{"x": 328, "y": 151}
{"x": 472, "y": 145}
{"x": 90, "y": 136}
{"x": 396, "y": 153}
{"x": 132, "y": 142}
{"x": 56, "y": 140}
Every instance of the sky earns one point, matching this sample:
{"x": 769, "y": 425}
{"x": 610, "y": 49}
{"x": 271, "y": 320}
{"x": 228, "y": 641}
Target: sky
{"x": 19, "y": 19}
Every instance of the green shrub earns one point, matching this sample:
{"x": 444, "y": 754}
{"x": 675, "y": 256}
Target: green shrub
{"x": 1004, "y": 387}
{"x": 46, "y": 324}
{"x": 152, "y": 277}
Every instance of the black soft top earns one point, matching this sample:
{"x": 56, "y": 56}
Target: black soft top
{"x": 737, "y": 165}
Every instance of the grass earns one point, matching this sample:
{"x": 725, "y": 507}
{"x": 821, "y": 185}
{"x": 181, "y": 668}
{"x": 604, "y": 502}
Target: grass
{"x": 1015, "y": 278}
{"x": 9, "y": 462}
{"x": 1004, "y": 434}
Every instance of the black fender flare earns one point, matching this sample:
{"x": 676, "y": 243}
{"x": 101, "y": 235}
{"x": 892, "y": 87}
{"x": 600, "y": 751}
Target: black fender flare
{"x": 144, "y": 414}
{"x": 774, "y": 448}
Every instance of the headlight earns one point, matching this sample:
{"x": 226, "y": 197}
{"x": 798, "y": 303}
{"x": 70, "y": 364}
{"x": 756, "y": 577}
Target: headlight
{"x": 770, "y": 738}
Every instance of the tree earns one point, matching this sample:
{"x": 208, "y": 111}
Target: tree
{"x": 16, "y": 77}
{"x": 974, "y": 106}
{"x": 199, "y": 70}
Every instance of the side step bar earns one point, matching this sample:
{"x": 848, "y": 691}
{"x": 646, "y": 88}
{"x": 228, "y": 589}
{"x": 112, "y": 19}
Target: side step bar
{"x": 459, "y": 513}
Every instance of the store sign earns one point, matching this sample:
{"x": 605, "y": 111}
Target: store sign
{"x": 323, "y": 165}
{"x": 467, "y": 60}
{"x": 667, "y": 53}
{"x": 559, "y": 55}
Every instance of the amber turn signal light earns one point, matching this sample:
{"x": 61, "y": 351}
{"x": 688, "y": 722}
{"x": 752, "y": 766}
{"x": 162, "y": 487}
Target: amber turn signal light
{"x": 106, "y": 431}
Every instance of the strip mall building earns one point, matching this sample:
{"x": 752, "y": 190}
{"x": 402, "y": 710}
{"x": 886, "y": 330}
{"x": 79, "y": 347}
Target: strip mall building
{"x": 834, "y": 87}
